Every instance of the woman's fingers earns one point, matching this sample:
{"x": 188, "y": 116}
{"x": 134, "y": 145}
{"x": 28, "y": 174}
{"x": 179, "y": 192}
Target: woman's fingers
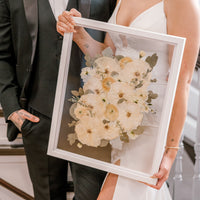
{"x": 75, "y": 13}
{"x": 63, "y": 28}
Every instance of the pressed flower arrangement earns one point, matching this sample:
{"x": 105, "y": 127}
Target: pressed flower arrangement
{"x": 113, "y": 100}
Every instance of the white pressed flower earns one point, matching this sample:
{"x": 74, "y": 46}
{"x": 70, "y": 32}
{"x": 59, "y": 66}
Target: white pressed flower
{"x": 106, "y": 65}
{"x": 120, "y": 90}
{"x": 111, "y": 131}
{"x": 94, "y": 104}
{"x": 116, "y": 144}
{"x": 132, "y": 135}
{"x": 142, "y": 54}
{"x": 93, "y": 84}
{"x": 130, "y": 116}
{"x": 135, "y": 70}
{"x": 87, "y": 73}
{"x": 89, "y": 131}
{"x": 140, "y": 95}
{"x": 81, "y": 111}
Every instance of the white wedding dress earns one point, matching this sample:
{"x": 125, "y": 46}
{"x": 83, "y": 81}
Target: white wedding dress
{"x": 138, "y": 154}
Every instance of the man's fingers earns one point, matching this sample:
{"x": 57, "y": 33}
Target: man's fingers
{"x": 28, "y": 116}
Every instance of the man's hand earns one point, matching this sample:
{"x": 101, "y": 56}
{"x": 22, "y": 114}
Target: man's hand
{"x": 18, "y": 118}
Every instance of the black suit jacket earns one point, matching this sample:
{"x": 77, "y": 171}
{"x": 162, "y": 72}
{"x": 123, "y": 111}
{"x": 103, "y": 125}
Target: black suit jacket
{"x": 18, "y": 39}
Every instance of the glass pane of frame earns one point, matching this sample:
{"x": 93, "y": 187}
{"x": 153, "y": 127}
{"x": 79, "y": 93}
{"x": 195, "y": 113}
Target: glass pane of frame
{"x": 115, "y": 106}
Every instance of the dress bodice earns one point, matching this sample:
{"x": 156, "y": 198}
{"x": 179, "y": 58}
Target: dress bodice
{"x": 134, "y": 154}
{"x": 154, "y": 20}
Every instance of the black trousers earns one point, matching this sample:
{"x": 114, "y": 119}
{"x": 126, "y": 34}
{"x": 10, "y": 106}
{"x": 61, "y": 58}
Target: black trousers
{"x": 49, "y": 174}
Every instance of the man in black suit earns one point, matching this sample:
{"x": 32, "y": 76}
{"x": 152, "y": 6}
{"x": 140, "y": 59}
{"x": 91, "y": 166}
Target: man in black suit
{"x": 29, "y": 59}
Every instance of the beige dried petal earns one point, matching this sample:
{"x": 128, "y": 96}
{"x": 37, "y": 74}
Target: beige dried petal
{"x": 111, "y": 112}
{"x": 106, "y": 83}
{"x": 124, "y": 61}
{"x": 72, "y": 137}
{"x": 71, "y": 111}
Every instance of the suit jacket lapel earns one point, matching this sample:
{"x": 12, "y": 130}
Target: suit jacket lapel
{"x": 31, "y": 13}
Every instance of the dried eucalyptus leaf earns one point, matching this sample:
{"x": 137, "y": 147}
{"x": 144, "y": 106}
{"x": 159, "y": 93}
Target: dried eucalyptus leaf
{"x": 106, "y": 121}
{"x": 81, "y": 92}
{"x": 107, "y": 52}
{"x": 154, "y": 96}
{"x": 148, "y": 100}
{"x": 152, "y": 60}
{"x": 124, "y": 137}
{"x": 113, "y": 73}
{"x": 154, "y": 80}
{"x": 138, "y": 131}
{"x": 89, "y": 61}
{"x": 119, "y": 57}
{"x": 104, "y": 143}
{"x": 71, "y": 138}
{"x": 139, "y": 85}
{"x": 75, "y": 93}
{"x": 145, "y": 75}
{"x": 121, "y": 100}
{"x": 89, "y": 92}
{"x": 151, "y": 96}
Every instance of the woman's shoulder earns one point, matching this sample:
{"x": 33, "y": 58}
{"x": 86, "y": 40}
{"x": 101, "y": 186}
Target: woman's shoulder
{"x": 181, "y": 7}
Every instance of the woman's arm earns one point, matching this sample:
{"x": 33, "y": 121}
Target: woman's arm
{"x": 85, "y": 42}
{"x": 182, "y": 20}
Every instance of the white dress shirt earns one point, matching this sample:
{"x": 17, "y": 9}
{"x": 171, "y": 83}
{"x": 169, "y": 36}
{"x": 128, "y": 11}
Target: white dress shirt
{"x": 58, "y": 6}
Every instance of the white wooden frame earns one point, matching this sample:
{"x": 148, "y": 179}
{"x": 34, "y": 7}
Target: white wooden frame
{"x": 178, "y": 43}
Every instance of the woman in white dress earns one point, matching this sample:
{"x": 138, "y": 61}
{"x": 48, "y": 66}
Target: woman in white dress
{"x": 175, "y": 17}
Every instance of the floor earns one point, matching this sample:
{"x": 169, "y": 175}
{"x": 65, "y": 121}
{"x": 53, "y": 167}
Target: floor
{"x": 184, "y": 190}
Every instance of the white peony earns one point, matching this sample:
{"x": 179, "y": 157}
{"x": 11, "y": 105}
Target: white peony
{"x": 87, "y": 73}
{"x": 111, "y": 131}
{"x": 93, "y": 103}
{"x": 135, "y": 70}
{"x": 106, "y": 65}
{"x": 130, "y": 116}
{"x": 81, "y": 111}
{"x": 89, "y": 131}
{"x": 93, "y": 84}
{"x": 120, "y": 90}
